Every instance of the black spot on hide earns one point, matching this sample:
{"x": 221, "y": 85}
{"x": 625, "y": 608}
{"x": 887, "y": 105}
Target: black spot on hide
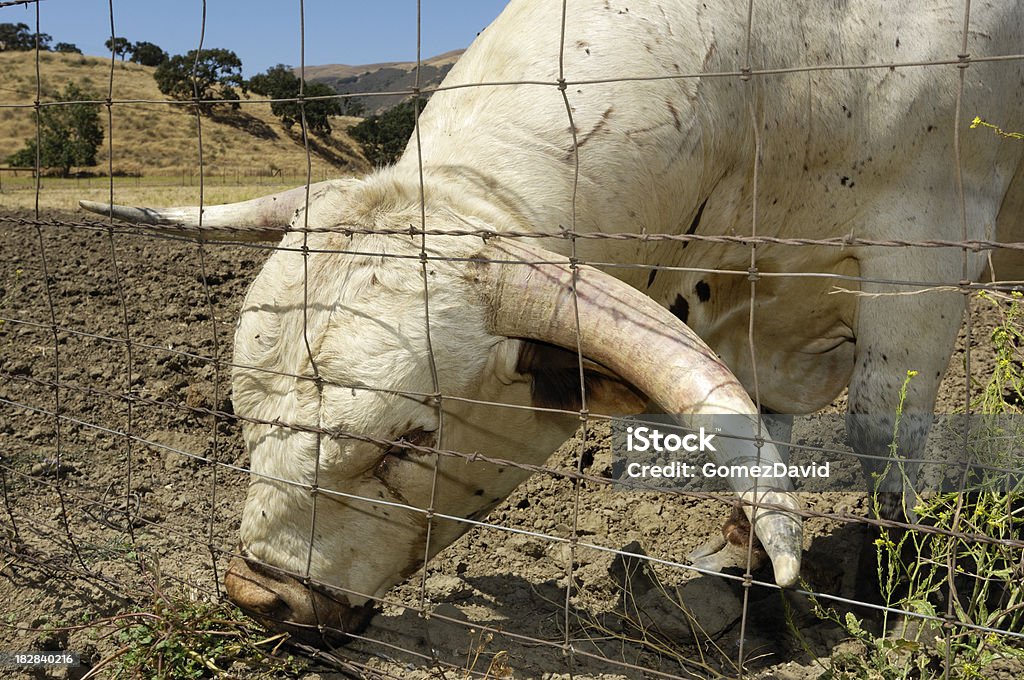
{"x": 703, "y": 291}
{"x": 695, "y": 222}
{"x": 652, "y": 276}
{"x": 681, "y": 308}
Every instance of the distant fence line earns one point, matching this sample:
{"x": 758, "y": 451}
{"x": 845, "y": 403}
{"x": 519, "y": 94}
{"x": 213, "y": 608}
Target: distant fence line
{"x": 172, "y": 177}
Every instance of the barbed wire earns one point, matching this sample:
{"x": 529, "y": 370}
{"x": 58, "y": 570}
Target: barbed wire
{"x": 849, "y": 241}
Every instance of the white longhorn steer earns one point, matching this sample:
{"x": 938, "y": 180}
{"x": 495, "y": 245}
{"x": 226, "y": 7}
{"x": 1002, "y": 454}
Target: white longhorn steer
{"x": 337, "y": 339}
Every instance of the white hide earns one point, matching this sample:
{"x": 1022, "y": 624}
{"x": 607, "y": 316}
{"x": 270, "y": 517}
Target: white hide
{"x": 366, "y": 322}
{"x": 866, "y": 152}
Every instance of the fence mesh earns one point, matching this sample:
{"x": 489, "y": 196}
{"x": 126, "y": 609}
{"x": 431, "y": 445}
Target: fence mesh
{"x": 124, "y": 473}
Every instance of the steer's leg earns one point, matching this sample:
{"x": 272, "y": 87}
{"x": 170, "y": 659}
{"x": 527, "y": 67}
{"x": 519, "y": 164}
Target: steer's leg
{"x": 901, "y": 331}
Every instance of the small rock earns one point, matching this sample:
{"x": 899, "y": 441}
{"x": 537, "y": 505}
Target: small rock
{"x": 632, "y": 574}
{"x": 591, "y": 524}
{"x": 449, "y": 611}
{"x": 443, "y": 586}
{"x": 712, "y": 603}
{"x": 647, "y": 513}
{"x": 49, "y": 468}
{"x": 447, "y": 633}
{"x": 704, "y": 604}
{"x": 561, "y": 553}
{"x": 526, "y": 545}
{"x": 196, "y": 397}
{"x": 795, "y": 671}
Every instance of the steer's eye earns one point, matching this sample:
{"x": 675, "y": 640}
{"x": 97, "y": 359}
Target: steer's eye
{"x": 413, "y": 443}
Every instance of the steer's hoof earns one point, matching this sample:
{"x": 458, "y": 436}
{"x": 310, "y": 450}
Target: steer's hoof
{"x": 730, "y": 549}
{"x": 711, "y": 547}
{"x": 728, "y": 555}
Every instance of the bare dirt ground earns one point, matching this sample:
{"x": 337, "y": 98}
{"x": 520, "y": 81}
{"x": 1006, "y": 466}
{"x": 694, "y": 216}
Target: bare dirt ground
{"x": 147, "y": 499}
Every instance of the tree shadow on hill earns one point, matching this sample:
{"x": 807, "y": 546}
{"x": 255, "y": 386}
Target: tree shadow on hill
{"x": 240, "y": 120}
{"x": 332, "y": 150}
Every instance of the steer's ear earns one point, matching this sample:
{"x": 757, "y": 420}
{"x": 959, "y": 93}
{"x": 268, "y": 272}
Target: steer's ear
{"x": 555, "y": 375}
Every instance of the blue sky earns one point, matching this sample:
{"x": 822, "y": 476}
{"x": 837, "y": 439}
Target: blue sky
{"x": 266, "y": 32}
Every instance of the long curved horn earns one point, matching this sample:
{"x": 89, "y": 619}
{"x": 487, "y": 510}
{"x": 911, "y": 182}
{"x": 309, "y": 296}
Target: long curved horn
{"x": 259, "y": 219}
{"x": 647, "y": 345}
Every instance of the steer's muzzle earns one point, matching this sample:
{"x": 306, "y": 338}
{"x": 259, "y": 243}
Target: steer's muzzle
{"x": 313, "y": 614}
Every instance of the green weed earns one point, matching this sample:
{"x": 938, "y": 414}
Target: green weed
{"x": 178, "y": 636}
{"x": 972, "y": 574}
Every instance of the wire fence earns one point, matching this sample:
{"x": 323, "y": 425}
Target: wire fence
{"x": 124, "y": 474}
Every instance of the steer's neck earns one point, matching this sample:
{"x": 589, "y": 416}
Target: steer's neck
{"x": 526, "y": 193}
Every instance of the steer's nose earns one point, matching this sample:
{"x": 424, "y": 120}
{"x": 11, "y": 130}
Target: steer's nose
{"x": 282, "y": 602}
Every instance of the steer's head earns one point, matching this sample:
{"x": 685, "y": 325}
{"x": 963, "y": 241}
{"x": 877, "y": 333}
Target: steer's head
{"x": 362, "y": 369}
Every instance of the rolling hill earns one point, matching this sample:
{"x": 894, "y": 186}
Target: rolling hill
{"x": 386, "y": 77}
{"x": 151, "y": 136}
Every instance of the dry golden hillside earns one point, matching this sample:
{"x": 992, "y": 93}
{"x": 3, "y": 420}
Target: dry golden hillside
{"x": 152, "y": 138}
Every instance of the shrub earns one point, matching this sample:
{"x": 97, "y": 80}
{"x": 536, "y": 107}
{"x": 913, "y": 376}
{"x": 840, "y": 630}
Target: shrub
{"x": 148, "y": 54}
{"x": 976, "y": 528}
{"x": 384, "y": 137}
{"x": 280, "y": 83}
{"x": 209, "y": 75}
{"x": 69, "y": 134}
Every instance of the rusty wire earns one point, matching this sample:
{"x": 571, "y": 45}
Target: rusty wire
{"x": 200, "y": 411}
{"x": 750, "y": 85}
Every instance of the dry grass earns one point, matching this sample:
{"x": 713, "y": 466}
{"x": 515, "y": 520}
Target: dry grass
{"x": 64, "y": 194}
{"x": 161, "y": 138}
